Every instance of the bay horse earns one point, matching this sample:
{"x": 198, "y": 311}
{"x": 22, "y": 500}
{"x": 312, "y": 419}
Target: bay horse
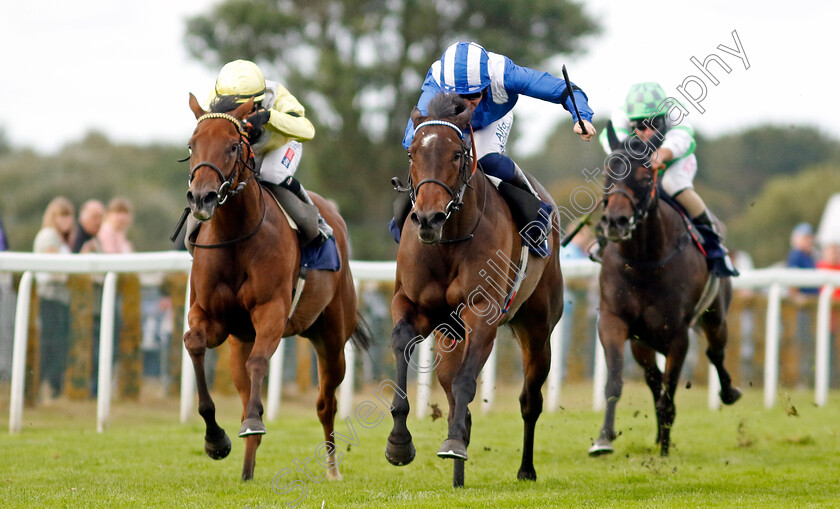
{"x": 245, "y": 267}
{"x": 655, "y": 286}
{"x": 454, "y": 278}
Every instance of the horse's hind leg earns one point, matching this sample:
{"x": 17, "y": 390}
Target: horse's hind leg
{"x": 646, "y": 357}
{"x": 613, "y": 332}
{"x": 446, "y": 370}
{"x": 216, "y": 442}
{"x": 536, "y": 360}
{"x": 666, "y": 410}
{"x": 330, "y": 374}
{"x": 714, "y": 324}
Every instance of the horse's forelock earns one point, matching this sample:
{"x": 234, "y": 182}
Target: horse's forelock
{"x": 445, "y": 106}
{"x": 224, "y": 104}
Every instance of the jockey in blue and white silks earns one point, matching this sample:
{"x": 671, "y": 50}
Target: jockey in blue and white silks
{"x": 491, "y": 84}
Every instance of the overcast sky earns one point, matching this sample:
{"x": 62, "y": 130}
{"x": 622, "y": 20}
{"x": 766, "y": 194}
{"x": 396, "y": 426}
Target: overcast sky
{"x": 121, "y": 67}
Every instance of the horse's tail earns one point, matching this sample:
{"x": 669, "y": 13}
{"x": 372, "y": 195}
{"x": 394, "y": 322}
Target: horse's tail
{"x": 362, "y": 337}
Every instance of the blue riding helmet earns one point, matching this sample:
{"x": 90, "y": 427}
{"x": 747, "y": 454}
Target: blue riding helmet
{"x": 463, "y": 68}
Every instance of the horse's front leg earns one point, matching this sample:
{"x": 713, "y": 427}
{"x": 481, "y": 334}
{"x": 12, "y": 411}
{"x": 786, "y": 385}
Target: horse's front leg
{"x": 269, "y": 322}
{"x": 480, "y": 324}
{"x": 613, "y": 332}
{"x": 203, "y": 329}
{"x": 400, "y": 450}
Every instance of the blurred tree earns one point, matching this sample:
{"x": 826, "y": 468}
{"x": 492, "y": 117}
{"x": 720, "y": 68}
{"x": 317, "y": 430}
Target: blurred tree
{"x": 764, "y": 228}
{"x": 746, "y": 160}
{"x": 357, "y": 66}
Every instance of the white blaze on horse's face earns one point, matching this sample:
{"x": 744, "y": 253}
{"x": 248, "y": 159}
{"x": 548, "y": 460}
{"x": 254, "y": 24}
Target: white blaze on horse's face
{"x": 428, "y": 140}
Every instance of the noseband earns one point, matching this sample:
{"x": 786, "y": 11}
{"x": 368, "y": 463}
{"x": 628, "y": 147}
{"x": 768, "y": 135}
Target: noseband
{"x": 225, "y": 190}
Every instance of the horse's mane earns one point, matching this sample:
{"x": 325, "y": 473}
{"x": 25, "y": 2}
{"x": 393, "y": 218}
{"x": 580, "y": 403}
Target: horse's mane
{"x": 224, "y": 104}
{"x": 445, "y": 105}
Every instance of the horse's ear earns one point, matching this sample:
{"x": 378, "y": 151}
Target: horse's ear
{"x": 194, "y": 106}
{"x": 612, "y": 138}
{"x": 416, "y": 115}
{"x": 245, "y": 108}
{"x": 463, "y": 119}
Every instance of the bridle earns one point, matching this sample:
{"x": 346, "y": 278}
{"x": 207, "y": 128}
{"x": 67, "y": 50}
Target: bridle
{"x": 244, "y": 160}
{"x": 641, "y": 207}
{"x": 469, "y": 164}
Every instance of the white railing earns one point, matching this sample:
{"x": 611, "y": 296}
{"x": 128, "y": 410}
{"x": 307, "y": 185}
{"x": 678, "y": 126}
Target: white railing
{"x": 177, "y": 261}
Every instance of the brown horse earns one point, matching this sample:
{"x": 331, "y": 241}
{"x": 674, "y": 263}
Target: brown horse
{"x": 654, "y": 286}
{"x": 455, "y": 272}
{"x": 243, "y": 276}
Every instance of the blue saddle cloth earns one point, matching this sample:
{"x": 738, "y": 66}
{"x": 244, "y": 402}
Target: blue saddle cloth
{"x": 323, "y": 257}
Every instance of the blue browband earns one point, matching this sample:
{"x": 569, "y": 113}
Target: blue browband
{"x": 440, "y": 122}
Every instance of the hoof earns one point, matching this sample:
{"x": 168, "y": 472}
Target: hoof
{"x": 600, "y": 447}
{"x": 400, "y": 454}
{"x": 454, "y": 449}
{"x": 252, "y": 426}
{"x": 730, "y": 396}
{"x": 333, "y": 474}
{"x": 527, "y": 475}
{"x": 217, "y": 449}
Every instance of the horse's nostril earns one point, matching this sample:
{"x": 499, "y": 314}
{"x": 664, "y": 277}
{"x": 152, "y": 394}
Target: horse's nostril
{"x": 437, "y": 220}
{"x": 415, "y": 218}
{"x": 210, "y": 198}
{"x": 622, "y": 222}
{"x": 190, "y": 198}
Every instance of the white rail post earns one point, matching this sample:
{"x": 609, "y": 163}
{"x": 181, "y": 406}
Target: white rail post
{"x": 19, "y": 353}
{"x": 771, "y": 345}
{"x": 555, "y": 372}
{"x": 599, "y": 376}
{"x": 106, "y": 351}
{"x": 823, "y": 352}
{"x": 424, "y": 375}
{"x": 488, "y": 381}
{"x": 345, "y": 395}
{"x": 275, "y": 381}
{"x": 187, "y": 371}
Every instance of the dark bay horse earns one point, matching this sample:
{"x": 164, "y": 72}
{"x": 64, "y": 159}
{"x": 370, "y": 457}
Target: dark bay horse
{"x": 244, "y": 271}
{"x": 455, "y": 272}
{"x": 654, "y": 286}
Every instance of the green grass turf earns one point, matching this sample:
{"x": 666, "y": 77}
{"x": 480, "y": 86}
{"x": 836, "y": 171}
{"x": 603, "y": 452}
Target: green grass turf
{"x": 739, "y": 456}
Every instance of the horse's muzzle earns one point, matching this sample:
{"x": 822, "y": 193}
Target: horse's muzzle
{"x": 617, "y": 228}
{"x": 202, "y": 205}
{"x": 429, "y": 226}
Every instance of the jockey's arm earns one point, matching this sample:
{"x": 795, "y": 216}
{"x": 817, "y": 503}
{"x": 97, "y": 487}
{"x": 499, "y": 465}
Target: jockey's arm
{"x": 678, "y": 143}
{"x": 287, "y": 116}
{"x": 542, "y": 85}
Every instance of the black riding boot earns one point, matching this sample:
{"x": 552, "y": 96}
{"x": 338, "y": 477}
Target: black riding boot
{"x": 716, "y": 253}
{"x": 296, "y": 202}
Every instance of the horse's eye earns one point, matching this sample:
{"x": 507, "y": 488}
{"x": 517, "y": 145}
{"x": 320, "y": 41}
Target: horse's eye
{"x": 457, "y": 156}
{"x": 234, "y": 147}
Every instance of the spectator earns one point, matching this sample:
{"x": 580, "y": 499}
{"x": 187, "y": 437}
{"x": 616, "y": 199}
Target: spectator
{"x": 113, "y": 233}
{"x": 801, "y": 255}
{"x": 53, "y": 295}
{"x": 830, "y": 260}
{"x": 7, "y": 313}
{"x": 90, "y": 220}
{"x": 85, "y": 240}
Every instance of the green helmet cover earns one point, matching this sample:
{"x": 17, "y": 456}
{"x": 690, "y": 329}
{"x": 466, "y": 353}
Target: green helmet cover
{"x": 643, "y": 99}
